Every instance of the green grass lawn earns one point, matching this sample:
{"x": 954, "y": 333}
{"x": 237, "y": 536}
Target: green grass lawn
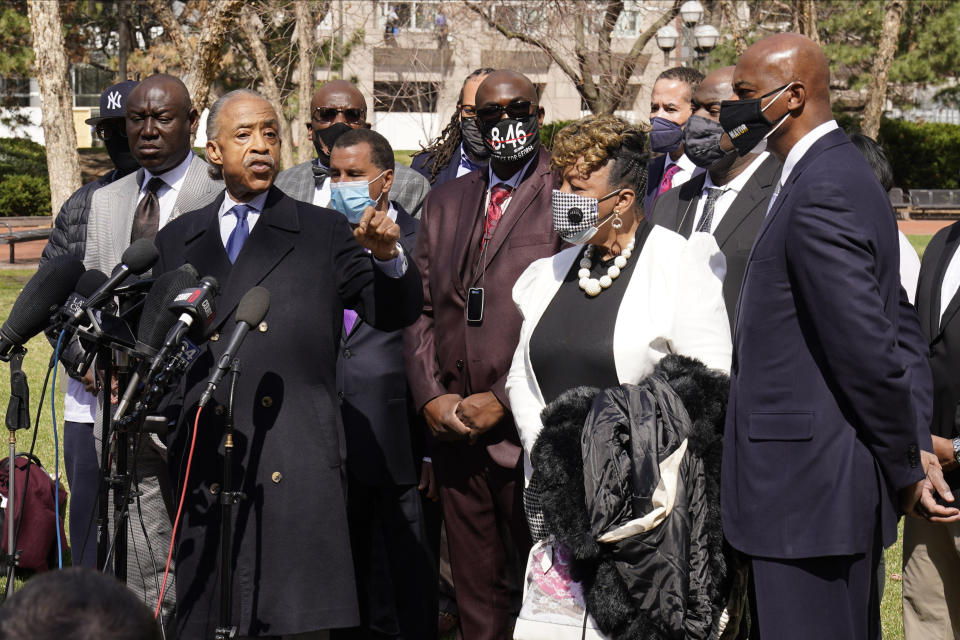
{"x": 39, "y": 352}
{"x": 919, "y": 243}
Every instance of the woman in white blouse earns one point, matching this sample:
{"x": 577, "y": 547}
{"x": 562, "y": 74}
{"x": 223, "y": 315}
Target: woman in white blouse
{"x": 604, "y": 311}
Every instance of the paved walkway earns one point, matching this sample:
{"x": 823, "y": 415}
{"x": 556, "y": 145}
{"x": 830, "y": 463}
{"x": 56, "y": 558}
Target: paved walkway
{"x": 923, "y": 227}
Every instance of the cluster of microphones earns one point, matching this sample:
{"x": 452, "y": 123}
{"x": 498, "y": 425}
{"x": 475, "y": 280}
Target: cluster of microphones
{"x": 155, "y": 323}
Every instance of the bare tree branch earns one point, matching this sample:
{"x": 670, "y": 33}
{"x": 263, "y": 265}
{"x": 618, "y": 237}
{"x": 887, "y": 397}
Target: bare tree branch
{"x": 206, "y": 59}
{"x": 630, "y": 63}
{"x": 172, "y": 28}
{"x": 305, "y": 62}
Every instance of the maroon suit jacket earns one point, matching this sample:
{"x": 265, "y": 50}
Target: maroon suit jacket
{"x": 444, "y": 354}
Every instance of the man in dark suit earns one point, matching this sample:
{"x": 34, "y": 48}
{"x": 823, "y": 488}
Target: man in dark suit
{"x": 821, "y": 443}
{"x": 479, "y": 233}
{"x": 291, "y": 550}
{"x": 931, "y": 551}
{"x": 395, "y": 571}
{"x": 671, "y": 105}
{"x": 730, "y": 199}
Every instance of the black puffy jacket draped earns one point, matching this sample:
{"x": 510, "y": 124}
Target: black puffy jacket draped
{"x": 629, "y": 480}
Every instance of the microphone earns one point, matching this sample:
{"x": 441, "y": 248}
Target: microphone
{"x": 91, "y": 280}
{"x": 251, "y": 311}
{"x": 139, "y": 257}
{"x": 41, "y": 297}
{"x": 156, "y": 319}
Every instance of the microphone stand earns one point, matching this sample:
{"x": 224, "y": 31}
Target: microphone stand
{"x": 228, "y": 498}
{"x": 18, "y": 417}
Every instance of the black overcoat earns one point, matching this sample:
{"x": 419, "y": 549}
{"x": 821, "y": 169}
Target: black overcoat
{"x": 292, "y": 561}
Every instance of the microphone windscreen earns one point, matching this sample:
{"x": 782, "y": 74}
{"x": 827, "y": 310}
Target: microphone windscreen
{"x": 140, "y": 256}
{"x": 90, "y": 281}
{"x": 155, "y": 317}
{"x": 49, "y": 287}
{"x": 253, "y": 306}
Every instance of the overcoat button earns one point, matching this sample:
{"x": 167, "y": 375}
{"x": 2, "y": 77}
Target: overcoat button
{"x": 460, "y": 365}
{"x": 266, "y": 402}
{"x": 347, "y": 354}
{"x": 276, "y": 477}
{"x": 219, "y": 410}
{"x": 263, "y": 327}
{"x": 215, "y": 336}
{"x": 215, "y": 488}
{"x": 340, "y": 394}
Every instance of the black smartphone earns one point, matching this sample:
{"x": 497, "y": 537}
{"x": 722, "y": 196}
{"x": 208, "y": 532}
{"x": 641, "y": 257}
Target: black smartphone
{"x": 475, "y": 305}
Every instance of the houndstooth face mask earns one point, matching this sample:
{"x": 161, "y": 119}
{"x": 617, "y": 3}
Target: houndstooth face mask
{"x": 576, "y": 218}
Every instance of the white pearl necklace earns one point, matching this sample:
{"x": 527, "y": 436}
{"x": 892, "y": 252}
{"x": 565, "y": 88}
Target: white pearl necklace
{"x": 593, "y": 286}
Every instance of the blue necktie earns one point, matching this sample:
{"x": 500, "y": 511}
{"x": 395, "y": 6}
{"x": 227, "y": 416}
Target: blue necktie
{"x": 240, "y": 232}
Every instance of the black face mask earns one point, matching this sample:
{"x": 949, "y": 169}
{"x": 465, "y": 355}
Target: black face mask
{"x": 745, "y": 124}
{"x": 472, "y": 141}
{"x": 329, "y": 136}
{"x": 512, "y": 140}
{"x": 118, "y": 148}
{"x": 701, "y": 141}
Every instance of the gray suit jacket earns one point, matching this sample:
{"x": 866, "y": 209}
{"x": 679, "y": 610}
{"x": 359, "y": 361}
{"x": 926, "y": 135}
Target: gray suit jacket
{"x": 409, "y": 187}
{"x": 113, "y": 206}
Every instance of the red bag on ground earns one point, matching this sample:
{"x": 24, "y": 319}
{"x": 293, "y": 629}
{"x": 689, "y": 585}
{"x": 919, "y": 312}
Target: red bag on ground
{"x": 37, "y": 536}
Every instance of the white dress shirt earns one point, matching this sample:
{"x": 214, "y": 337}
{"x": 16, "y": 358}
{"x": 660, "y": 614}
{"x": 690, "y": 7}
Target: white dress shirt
{"x": 909, "y": 267}
{"x": 798, "y": 151}
{"x": 466, "y": 164}
{"x": 683, "y": 174}
{"x": 393, "y": 268}
{"x": 168, "y": 192}
{"x": 321, "y": 195}
{"x": 730, "y": 192}
{"x": 951, "y": 282}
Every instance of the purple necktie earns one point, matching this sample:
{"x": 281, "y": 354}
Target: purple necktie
{"x": 349, "y": 319}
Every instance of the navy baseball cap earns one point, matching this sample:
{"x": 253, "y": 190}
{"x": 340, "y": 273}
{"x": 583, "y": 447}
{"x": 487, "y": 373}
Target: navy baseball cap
{"x": 113, "y": 101}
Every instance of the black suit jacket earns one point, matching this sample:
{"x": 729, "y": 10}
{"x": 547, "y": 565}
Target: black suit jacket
{"x": 446, "y": 174}
{"x": 383, "y": 432}
{"x": 943, "y": 335}
{"x": 654, "y": 175}
{"x": 293, "y": 567}
{"x": 677, "y": 208}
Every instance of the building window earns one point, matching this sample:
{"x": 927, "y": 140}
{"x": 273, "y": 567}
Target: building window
{"x": 409, "y": 97}
{"x": 15, "y": 92}
{"x": 88, "y": 84}
{"x": 418, "y": 15}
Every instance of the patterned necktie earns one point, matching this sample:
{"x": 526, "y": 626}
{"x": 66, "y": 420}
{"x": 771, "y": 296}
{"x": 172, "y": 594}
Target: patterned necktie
{"x": 498, "y": 194}
{"x": 706, "y": 220}
{"x": 146, "y": 220}
{"x": 240, "y": 232}
{"x": 666, "y": 183}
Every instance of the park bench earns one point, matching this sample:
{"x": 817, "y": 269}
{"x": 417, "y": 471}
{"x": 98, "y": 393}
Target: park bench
{"x": 39, "y": 229}
{"x": 935, "y": 202}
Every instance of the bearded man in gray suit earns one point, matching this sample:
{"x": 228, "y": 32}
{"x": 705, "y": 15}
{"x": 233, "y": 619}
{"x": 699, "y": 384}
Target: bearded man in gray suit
{"x": 172, "y": 180}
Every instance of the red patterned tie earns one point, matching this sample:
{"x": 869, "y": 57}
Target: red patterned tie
{"x": 498, "y": 194}
{"x": 667, "y": 182}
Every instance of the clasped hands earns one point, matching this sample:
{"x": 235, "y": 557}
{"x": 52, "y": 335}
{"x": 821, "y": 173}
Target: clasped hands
{"x": 919, "y": 500}
{"x": 452, "y": 417}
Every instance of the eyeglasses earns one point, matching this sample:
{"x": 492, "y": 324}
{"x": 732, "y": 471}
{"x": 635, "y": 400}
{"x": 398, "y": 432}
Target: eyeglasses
{"x": 107, "y": 130}
{"x": 328, "y": 114}
{"x": 467, "y": 110}
{"x": 494, "y": 112}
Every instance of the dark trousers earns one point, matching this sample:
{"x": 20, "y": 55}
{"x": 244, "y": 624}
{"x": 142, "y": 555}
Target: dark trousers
{"x": 488, "y": 536}
{"x": 827, "y": 598}
{"x": 395, "y": 570}
{"x": 80, "y": 458}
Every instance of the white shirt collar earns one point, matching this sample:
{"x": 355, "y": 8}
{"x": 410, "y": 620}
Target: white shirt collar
{"x": 685, "y": 163}
{"x": 736, "y": 185}
{"x": 803, "y": 145}
{"x": 514, "y": 180}
{"x": 173, "y": 178}
{"x": 228, "y": 203}
{"x": 392, "y": 212}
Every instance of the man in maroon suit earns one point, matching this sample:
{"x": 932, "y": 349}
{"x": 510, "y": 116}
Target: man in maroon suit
{"x": 478, "y": 233}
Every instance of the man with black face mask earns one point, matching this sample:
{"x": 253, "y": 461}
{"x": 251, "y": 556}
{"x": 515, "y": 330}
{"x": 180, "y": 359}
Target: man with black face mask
{"x": 459, "y": 149}
{"x": 69, "y": 236}
{"x": 479, "y": 233}
{"x": 337, "y": 107}
{"x": 729, "y": 200}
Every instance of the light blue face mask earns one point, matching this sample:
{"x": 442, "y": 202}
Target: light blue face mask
{"x": 352, "y": 198}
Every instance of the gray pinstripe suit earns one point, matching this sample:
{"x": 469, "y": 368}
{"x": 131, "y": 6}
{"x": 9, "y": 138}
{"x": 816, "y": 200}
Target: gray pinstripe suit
{"x": 408, "y": 190}
{"x": 108, "y": 235}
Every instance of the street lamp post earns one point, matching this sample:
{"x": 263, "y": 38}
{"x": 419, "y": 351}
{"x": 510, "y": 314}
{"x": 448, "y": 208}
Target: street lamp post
{"x": 699, "y": 38}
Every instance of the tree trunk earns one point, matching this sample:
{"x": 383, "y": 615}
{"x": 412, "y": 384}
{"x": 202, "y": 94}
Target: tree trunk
{"x": 733, "y": 24}
{"x": 219, "y": 19}
{"x": 305, "y": 63}
{"x": 252, "y": 28}
{"x": 877, "y": 94}
{"x": 63, "y": 165}
{"x": 123, "y": 39}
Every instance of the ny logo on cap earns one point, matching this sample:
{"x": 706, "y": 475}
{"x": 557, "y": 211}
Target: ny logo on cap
{"x": 113, "y": 100}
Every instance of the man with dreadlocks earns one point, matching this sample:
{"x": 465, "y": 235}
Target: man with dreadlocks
{"x": 459, "y": 149}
